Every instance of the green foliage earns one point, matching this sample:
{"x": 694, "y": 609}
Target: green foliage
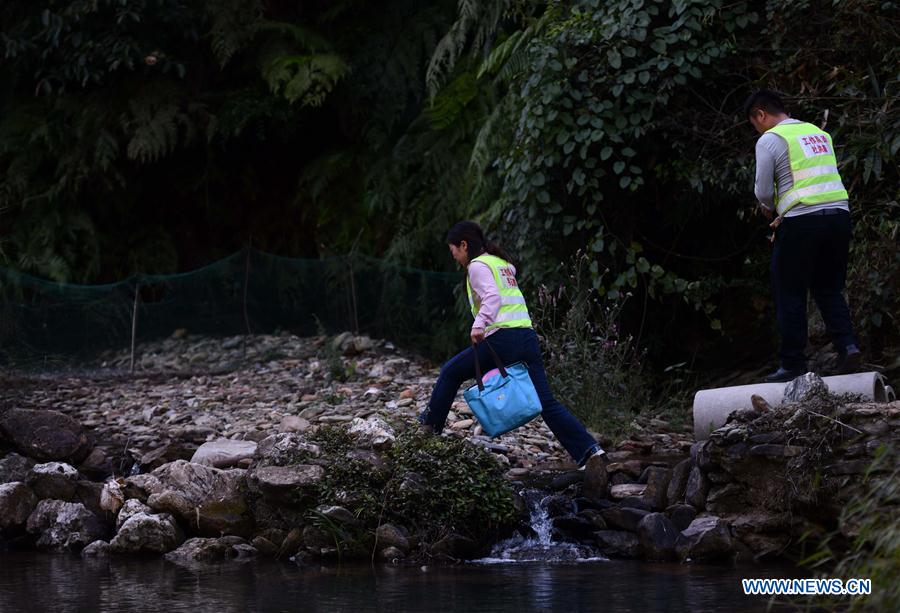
{"x": 464, "y": 487}
{"x": 872, "y": 522}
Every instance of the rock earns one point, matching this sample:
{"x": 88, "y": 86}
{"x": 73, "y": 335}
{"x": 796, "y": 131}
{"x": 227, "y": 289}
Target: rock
{"x": 88, "y": 494}
{"x": 657, "y": 486}
{"x": 338, "y": 514}
{"x": 462, "y": 424}
{"x": 678, "y": 482}
{"x": 200, "y": 549}
{"x": 315, "y": 539}
{"x": 706, "y": 537}
{"x": 53, "y": 480}
{"x": 15, "y": 468}
{"x": 17, "y": 502}
{"x": 97, "y": 465}
{"x": 293, "y": 423}
{"x": 64, "y": 525}
{"x": 373, "y": 462}
{"x": 129, "y": 509}
{"x": 112, "y": 497}
{"x": 726, "y": 499}
{"x": 45, "y": 435}
{"x": 759, "y": 404}
{"x": 97, "y": 549}
{"x": 805, "y": 387}
{"x": 295, "y": 484}
{"x": 596, "y": 477}
{"x": 681, "y": 515}
{"x": 291, "y": 543}
{"x": 209, "y": 500}
{"x": 776, "y": 451}
{"x": 618, "y": 492}
{"x": 143, "y": 532}
{"x": 574, "y": 527}
{"x": 372, "y": 432}
{"x": 151, "y": 460}
{"x": 623, "y": 518}
{"x": 565, "y": 479}
{"x": 285, "y": 449}
{"x": 632, "y": 468}
{"x": 695, "y": 491}
{"x": 224, "y": 452}
{"x": 455, "y": 546}
{"x": 618, "y": 544}
{"x": 391, "y": 554}
{"x": 657, "y": 535}
{"x": 265, "y": 547}
{"x": 390, "y": 536}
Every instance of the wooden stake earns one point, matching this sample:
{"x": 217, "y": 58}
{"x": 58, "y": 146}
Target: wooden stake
{"x": 134, "y": 316}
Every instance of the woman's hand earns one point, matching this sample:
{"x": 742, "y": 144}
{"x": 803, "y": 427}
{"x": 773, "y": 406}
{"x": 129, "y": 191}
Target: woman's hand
{"x": 477, "y": 335}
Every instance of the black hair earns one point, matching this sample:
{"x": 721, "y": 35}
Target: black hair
{"x": 471, "y": 232}
{"x": 766, "y": 100}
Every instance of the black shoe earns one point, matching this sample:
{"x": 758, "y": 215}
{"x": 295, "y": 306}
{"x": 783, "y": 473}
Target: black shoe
{"x": 848, "y": 362}
{"x": 783, "y": 375}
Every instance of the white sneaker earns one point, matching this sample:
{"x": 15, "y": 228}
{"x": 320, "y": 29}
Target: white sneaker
{"x": 599, "y": 452}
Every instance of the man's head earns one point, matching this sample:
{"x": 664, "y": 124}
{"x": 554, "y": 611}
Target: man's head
{"x": 765, "y": 109}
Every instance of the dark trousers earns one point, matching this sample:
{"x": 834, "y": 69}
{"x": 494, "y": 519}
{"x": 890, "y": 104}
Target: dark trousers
{"x": 512, "y": 345}
{"x": 811, "y": 256}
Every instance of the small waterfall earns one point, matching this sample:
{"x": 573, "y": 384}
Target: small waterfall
{"x": 541, "y": 547}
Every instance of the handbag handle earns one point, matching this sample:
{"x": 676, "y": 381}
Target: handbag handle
{"x": 497, "y": 361}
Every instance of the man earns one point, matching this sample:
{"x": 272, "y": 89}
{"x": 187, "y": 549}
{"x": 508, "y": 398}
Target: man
{"x": 797, "y": 183}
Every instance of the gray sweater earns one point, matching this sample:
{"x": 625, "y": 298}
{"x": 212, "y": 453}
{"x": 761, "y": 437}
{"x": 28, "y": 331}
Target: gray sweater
{"x": 773, "y": 166}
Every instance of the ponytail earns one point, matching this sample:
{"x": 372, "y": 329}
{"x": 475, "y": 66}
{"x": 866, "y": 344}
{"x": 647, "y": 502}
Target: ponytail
{"x": 471, "y": 232}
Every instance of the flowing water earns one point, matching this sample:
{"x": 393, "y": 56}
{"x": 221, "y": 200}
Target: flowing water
{"x": 531, "y": 573}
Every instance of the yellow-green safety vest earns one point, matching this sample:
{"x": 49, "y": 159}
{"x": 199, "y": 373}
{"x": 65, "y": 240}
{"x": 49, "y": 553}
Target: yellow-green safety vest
{"x": 513, "y": 311}
{"x": 813, "y": 167}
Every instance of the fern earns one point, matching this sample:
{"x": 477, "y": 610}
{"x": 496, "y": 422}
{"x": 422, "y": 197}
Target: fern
{"x": 234, "y": 24}
{"x": 305, "y": 78}
{"x": 478, "y": 21}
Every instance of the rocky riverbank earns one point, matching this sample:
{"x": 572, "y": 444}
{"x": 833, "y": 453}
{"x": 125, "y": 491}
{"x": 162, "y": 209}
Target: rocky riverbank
{"x": 304, "y": 449}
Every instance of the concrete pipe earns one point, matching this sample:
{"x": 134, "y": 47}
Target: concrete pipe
{"x": 713, "y": 406}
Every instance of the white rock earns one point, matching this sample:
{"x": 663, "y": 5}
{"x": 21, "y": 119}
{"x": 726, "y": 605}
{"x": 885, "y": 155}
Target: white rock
{"x": 223, "y": 452}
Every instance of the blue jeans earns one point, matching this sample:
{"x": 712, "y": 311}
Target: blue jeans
{"x": 810, "y": 256}
{"x": 512, "y": 345}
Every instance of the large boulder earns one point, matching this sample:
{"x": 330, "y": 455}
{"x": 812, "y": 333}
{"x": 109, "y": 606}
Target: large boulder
{"x": 15, "y": 467}
{"x": 618, "y": 543}
{"x": 64, "y": 525}
{"x": 208, "y": 550}
{"x": 657, "y": 535}
{"x": 623, "y": 518}
{"x": 596, "y": 477}
{"x": 224, "y": 452}
{"x": 292, "y": 485}
{"x": 17, "y": 502}
{"x": 209, "y": 500}
{"x": 389, "y": 535}
{"x": 54, "y": 480}
{"x": 144, "y": 532}
{"x": 45, "y": 435}
{"x": 695, "y": 491}
{"x": 130, "y": 509}
{"x": 678, "y": 482}
{"x": 706, "y": 537}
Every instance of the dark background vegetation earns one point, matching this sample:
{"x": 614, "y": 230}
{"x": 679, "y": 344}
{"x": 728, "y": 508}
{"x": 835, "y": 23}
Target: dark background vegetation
{"x": 156, "y": 136}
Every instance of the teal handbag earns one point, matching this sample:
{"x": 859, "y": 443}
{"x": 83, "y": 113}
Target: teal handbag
{"x": 505, "y": 401}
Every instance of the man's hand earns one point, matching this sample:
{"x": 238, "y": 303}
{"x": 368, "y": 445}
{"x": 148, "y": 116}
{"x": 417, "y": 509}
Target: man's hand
{"x": 766, "y": 212}
{"x": 477, "y": 335}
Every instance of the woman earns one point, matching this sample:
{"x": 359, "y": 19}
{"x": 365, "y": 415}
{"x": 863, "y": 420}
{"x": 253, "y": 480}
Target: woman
{"x": 502, "y": 316}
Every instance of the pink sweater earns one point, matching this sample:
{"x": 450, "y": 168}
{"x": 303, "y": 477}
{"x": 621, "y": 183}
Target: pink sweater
{"x": 487, "y": 299}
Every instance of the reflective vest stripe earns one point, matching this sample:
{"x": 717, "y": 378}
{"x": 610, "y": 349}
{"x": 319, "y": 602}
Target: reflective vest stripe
{"x": 513, "y": 311}
{"x": 815, "y": 171}
{"x": 796, "y": 194}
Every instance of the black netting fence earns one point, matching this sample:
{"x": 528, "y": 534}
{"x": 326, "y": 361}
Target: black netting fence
{"x": 44, "y": 324}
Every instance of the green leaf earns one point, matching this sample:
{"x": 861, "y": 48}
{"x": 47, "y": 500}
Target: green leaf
{"x": 615, "y": 60}
{"x": 618, "y": 167}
